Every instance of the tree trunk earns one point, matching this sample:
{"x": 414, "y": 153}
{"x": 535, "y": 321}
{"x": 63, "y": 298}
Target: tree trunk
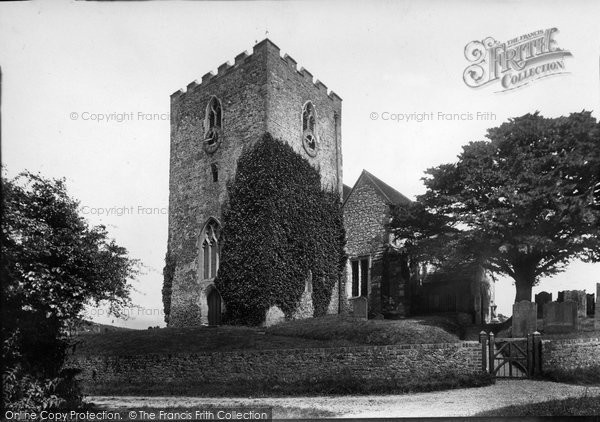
{"x": 524, "y": 281}
{"x": 523, "y": 290}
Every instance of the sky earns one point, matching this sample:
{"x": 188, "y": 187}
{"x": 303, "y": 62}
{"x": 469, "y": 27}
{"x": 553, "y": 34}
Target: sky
{"x": 86, "y": 86}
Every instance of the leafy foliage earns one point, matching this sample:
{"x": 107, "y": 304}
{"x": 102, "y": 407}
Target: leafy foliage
{"x": 522, "y": 203}
{"x": 53, "y": 264}
{"x": 168, "y": 274}
{"x": 279, "y": 227}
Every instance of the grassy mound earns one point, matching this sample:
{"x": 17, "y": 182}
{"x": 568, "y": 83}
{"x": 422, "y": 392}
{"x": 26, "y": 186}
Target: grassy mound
{"x": 190, "y": 340}
{"x": 423, "y": 330}
{"x": 324, "y": 332}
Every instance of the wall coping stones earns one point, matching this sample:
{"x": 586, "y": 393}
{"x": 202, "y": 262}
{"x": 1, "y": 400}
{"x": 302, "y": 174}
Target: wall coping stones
{"x": 322, "y": 350}
{"x": 571, "y": 340}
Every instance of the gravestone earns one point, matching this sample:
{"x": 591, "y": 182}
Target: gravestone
{"x": 560, "y": 317}
{"x": 577, "y": 296}
{"x": 494, "y": 314}
{"x": 360, "y": 307}
{"x": 274, "y": 316}
{"x": 597, "y": 315}
{"x": 524, "y": 318}
{"x": 541, "y": 299}
{"x": 591, "y": 304}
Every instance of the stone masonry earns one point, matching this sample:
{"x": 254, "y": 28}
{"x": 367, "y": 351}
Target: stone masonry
{"x": 288, "y": 366}
{"x": 597, "y": 314}
{"x": 260, "y": 92}
{"x": 524, "y": 318}
{"x": 565, "y": 354}
{"x": 577, "y": 296}
{"x": 366, "y": 214}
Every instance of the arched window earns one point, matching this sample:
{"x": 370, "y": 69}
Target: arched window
{"x": 209, "y": 251}
{"x": 309, "y": 129}
{"x": 213, "y": 123}
{"x": 214, "y": 169}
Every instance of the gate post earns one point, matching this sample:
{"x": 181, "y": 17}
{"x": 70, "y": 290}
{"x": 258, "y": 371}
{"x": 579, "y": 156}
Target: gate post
{"x": 492, "y": 350}
{"x": 483, "y": 341}
{"x": 537, "y": 353}
{"x": 530, "y": 355}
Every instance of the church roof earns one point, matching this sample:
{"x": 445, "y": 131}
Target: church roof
{"x": 392, "y": 195}
{"x": 389, "y": 194}
{"x": 345, "y": 192}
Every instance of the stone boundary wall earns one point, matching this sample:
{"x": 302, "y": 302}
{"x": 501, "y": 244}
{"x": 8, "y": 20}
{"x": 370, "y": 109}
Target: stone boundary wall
{"x": 290, "y": 365}
{"x": 570, "y": 353}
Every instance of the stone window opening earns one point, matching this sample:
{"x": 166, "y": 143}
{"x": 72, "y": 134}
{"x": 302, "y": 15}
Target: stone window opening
{"x": 214, "y": 169}
{"x": 210, "y": 250}
{"x": 309, "y": 129}
{"x": 360, "y": 276}
{"x": 213, "y": 124}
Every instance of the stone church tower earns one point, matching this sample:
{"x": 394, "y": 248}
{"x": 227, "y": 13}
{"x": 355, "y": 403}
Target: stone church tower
{"x": 212, "y": 121}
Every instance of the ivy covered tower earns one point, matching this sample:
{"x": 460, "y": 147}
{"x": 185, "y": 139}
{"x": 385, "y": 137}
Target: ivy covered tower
{"x": 212, "y": 121}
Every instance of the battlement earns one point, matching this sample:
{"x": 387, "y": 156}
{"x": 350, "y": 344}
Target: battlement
{"x": 243, "y": 58}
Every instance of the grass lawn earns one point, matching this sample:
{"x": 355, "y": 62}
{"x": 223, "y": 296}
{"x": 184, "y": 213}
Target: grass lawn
{"x": 190, "y": 340}
{"x": 428, "y": 329}
{"x": 579, "y": 376}
{"x": 328, "y": 331}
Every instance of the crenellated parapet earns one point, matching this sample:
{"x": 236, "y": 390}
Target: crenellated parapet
{"x": 244, "y": 57}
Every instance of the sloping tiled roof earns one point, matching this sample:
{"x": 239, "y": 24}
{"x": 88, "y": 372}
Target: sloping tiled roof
{"x": 388, "y": 193}
{"x": 393, "y": 196}
{"x": 345, "y": 192}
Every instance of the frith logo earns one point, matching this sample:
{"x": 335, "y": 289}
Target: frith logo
{"x": 516, "y": 62}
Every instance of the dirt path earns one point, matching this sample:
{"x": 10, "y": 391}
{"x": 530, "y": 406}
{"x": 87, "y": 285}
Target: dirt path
{"x": 462, "y": 402}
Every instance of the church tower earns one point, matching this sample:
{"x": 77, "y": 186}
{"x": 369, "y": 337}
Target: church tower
{"x": 212, "y": 122}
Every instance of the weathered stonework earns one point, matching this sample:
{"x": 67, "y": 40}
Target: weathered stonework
{"x": 261, "y": 92}
{"x": 366, "y": 214}
{"x": 577, "y": 296}
{"x": 369, "y": 362}
{"x": 570, "y": 354}
{"x": 597, "y": 311}
{"x": 305, "y": 307}
{"x": 524, "y": 318}
{"x": 274, "y": 316}
{"x": 560, "y": 317}
{"x": 541, "y": 299}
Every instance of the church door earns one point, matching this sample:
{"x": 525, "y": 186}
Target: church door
{"x": 214, "y": 307}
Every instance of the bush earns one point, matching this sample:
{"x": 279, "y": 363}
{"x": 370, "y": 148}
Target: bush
{"x": 52, "y": 265}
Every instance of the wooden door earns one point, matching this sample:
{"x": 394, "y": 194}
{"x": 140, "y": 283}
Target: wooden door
{"x": 214, "y": 307}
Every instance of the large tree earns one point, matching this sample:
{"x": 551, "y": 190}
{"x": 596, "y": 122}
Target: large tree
{"x": 521, "y": 203}
{"x": 53, "y": 265}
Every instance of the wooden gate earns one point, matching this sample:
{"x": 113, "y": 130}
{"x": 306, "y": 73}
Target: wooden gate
{"x": 511, "y": 357}
{"x": 214, "y": 307}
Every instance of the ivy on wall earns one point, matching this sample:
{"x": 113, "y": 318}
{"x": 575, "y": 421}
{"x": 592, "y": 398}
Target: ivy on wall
{"x": 279, "y": 225}
{"x": 168, "y": 274}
